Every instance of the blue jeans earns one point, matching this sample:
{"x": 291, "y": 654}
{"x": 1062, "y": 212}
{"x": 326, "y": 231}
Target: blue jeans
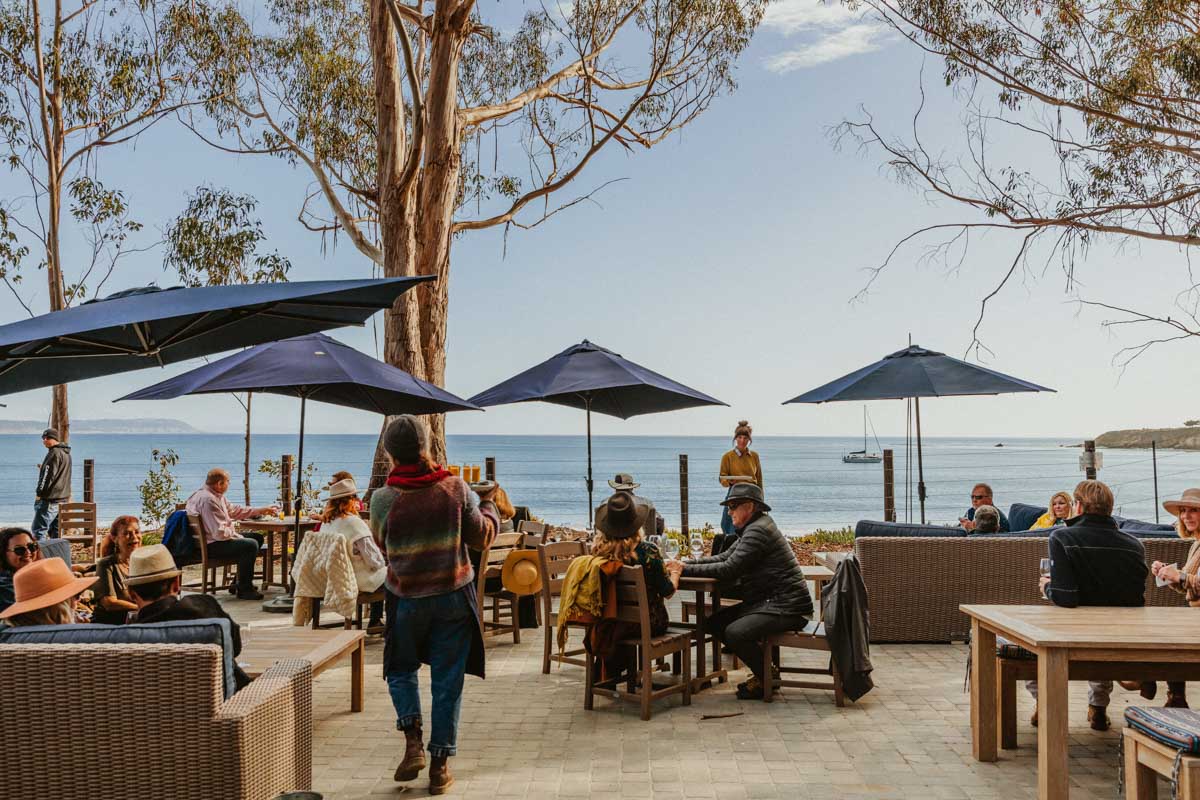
{"x": 441, "y": 627}
{"x": 45, "y": 519}
{"x": 726, "y": 521}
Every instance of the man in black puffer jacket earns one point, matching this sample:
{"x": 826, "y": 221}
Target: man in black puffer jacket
{"x": 775, "y": 595}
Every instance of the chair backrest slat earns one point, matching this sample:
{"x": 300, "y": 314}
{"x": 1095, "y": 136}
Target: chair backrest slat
{"x": 502, "y": 545}
{"x": 633, "y": 604}
{"x": 554, "y": 559}
{"x": 197, "y": 529}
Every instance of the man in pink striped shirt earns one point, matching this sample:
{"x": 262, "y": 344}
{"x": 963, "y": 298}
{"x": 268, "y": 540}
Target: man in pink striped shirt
{"x": 217, "y": 517}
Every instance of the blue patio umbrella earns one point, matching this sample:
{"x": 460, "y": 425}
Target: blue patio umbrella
{"x": 153, "y": 327}
{"x": 589, "y": 377}
{"x": 313, "y": 366}
{"x": 915, "y": 372}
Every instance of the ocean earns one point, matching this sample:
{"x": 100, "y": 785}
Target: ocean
{"x": 806, "y": 482}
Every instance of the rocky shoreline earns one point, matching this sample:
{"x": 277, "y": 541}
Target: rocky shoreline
{"x": 1140, "y": 439}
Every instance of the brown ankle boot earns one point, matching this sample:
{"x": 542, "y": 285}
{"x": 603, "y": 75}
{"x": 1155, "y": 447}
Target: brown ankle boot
{"x": 1033, "y": 719}
{"x": 1176, "y": 700}
{"x": 414, "y": 756}
{"x": 1098, "y": 718}
{"x": 440, "y": 779}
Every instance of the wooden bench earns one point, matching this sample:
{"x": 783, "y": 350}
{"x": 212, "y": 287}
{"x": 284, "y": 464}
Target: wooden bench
{"x": 1161, "y": 741}
{"x": 811, "y": 638}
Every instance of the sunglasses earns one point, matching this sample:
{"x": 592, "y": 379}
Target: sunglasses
{"x": 22, "y": 550}
{"x": 980, "y": 496}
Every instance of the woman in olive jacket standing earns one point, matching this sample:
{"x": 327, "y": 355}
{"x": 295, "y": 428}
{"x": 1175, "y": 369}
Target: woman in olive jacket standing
{"x": 775, "y": 596}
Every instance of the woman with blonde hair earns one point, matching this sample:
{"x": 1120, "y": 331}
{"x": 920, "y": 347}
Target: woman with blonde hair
{"x": 113, "y": 601}
{"x": 1185, "y": 580}
{"x": 1057, "y": 513}
{"x": 619, "y": 524}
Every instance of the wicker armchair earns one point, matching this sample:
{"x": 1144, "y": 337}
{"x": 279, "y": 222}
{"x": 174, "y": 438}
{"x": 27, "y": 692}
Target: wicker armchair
{"x": 916, "y": 583}
{"x": 167, "y": 698}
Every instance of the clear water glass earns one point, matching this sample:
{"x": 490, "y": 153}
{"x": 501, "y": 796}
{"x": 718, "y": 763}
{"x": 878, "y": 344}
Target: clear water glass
{"x": 697, "y": 545}
{"x": 670, "y": 549}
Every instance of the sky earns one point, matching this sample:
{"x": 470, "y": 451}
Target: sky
{"x": 728, "y": 258}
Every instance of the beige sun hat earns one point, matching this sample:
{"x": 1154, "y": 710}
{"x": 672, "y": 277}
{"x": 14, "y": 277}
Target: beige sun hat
{"x": 150, "y": 564}
{"x": 520, "y": 573}
{"x": 343, "y": 488}
{"x": 1189, "y": 499}
{"x": 42, "y": 584}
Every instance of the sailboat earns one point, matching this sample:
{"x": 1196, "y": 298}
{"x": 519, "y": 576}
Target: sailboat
{"x": 862, "y": 456}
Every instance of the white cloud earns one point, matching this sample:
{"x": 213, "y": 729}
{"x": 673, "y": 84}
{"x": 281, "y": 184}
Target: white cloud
{"x": 832, "y": 32}
{"x": 851, "y": 41}
{"x": 794, "y": 16}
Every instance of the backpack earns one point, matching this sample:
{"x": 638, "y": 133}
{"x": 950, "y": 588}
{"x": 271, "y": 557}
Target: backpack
{"x": 177, "y": 537}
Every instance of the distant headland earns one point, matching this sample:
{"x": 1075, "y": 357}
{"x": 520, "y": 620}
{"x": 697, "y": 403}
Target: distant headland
{"x": 84, "y": 426}
{"x": 1185, "y": 438}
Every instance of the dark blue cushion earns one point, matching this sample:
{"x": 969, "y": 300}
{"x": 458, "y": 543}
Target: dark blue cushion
{"x": 1149, "y": 530}
{"x": 200, "y": 631}
{"x": 1021, "y": 516}
{"x": 1174, "y": 727}
{"x": 867, "y": 528}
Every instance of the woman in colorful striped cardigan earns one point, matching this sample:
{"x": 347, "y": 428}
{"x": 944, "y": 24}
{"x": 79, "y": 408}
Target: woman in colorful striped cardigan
{"x": 424, "y": 520}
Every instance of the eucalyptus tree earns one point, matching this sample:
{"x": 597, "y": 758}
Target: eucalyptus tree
{"x": 76, "y": 79}
{"x": 1104, "y": 100}
{"x": 423, "y": 121}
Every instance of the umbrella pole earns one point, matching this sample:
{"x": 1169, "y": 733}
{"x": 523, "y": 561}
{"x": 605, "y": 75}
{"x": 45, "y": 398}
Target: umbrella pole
{"x": 588, "y": 403}
{"x": 299, "y": 475}
{"x": 920, "y": 462}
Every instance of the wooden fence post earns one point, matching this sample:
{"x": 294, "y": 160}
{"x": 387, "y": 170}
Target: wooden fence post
{"x": 1089, "y": 459}
{"x": 89, "y": 480}
{"x": 683, "y": 495}
{"x": 889, "y": 487}
{"x": 286, "y": 464}
{"x": 489, "y": 468}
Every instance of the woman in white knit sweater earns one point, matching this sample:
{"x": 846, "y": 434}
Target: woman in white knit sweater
{"x": 341, "y": 516}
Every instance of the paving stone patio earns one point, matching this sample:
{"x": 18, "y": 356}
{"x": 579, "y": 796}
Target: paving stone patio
{"x": 525, "y": 734}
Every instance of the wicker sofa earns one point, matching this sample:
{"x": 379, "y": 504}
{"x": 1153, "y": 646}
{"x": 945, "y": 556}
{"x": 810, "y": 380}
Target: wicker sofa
{"x": 81, "y": 706}
{"x": 916, "y": 583}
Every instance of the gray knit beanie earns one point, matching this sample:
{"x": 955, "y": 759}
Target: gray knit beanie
{"x": 406, "y": 439}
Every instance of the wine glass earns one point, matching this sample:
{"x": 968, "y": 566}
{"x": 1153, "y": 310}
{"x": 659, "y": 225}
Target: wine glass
{"x": 696, "y": 545}
{"x": 670, "y": 548}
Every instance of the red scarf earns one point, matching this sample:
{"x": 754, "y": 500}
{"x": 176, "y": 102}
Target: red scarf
{"x": 416, "y": 476}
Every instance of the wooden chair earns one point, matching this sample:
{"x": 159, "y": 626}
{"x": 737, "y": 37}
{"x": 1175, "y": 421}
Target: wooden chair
{"x": 533, "y": 529}
{"x": 553, "y": 561}
{"x": 503, "y": 604}
{"x": 633, "y": 605}
{"x": 77, "y": 524}
{"x": 349, "y": 623}
{"x": 811, "y": 638}
{"x": 208, "y": 566}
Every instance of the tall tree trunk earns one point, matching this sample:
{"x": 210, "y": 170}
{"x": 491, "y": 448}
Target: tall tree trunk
{"x": 438, "y": 191}
{"x": 402, "y": 332}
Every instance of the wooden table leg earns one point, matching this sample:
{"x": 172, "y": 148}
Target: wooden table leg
{"x": 357, "y": 665}
{"x": 718, "y": 664}
{"x": 1007, "y": 700}
{"x": 268, "y": 560}
{"x": 286, "y": 577}
{"x": 983, "y": 692}
{"x": 1052, "y": 724}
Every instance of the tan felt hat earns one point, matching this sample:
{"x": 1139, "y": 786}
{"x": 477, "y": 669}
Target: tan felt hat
{"x": 520, "y": 573}
{"x": 1189, "y": 499}
{"x": 150, "y": 564}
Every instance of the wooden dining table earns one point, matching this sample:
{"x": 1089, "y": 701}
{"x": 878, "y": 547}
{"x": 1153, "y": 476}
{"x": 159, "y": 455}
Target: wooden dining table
{"x": 271, "y": 527}
{"x": 704, "y": 677}
{"x": 1070, "y": 643}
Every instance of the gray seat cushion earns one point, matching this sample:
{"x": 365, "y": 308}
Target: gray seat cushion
{"x": 201, "y": 631}
{"x": 56, "y": 548}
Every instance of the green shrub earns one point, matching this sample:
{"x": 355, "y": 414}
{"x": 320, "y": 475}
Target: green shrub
{"x": 160, "y": 490}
